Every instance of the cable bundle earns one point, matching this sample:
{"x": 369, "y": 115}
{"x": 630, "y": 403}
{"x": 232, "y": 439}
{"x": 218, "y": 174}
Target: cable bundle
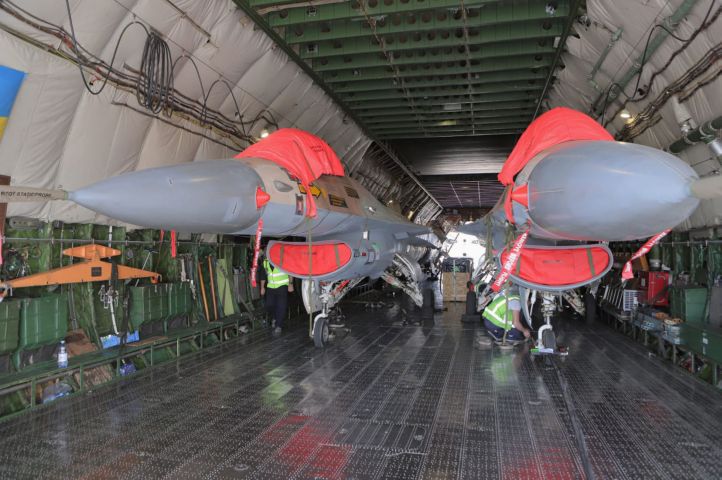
{"x": 152, "y": 82}
{"x": 155, "y": 82}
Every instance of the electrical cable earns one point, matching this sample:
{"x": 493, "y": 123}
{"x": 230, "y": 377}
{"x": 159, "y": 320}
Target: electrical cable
{"x": 153, "y": 82}
{"x": 644, "y": 59}
{"x": 664, "y": 27}
{"x": 74, "y": 46}
{"x": 702, "y": 27}
{"x": 646, "y": 118}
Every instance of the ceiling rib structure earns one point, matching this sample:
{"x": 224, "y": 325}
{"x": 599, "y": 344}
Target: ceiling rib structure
{"x": 437, "y": 70}
{"x": 426, "y": 68}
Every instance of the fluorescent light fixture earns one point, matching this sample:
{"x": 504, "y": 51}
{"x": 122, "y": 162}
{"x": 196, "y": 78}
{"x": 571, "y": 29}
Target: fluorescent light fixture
{"x": 452, "y": 107}
{"x": 447, "y": 123}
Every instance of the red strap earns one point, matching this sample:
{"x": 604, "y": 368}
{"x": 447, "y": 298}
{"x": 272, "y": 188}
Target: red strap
{"x": 2, "y": 239}
{"x": 173, "y": 246}
{"x": 162, "y": 235}
{"x": 256, "y": 250}
{"x": 511, "y": 261}
{"x": 627, "y": 270}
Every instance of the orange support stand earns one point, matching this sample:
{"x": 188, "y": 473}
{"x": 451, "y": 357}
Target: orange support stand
{"x": 93, "y": 269}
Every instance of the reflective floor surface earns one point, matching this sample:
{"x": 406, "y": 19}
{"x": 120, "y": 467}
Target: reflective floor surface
{"x": 388, "y": 400}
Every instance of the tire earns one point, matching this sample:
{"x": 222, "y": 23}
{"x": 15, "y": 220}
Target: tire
{"x": 590, "y": 308}
{"x": 321, "y": 332}
{"x": 549, "y": 339}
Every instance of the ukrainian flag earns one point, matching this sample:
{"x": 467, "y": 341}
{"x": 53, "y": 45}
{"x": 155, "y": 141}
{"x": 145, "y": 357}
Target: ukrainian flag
{"x": 10, "y": 81}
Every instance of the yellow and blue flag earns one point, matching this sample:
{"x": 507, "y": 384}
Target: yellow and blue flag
{"x": 10, "y": 81}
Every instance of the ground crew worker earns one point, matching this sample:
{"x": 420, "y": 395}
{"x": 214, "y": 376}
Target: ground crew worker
{"x": 504, "y": 314}
{"x": 275, "y": 286}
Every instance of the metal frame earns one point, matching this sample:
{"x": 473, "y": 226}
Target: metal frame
{"x": 380, "y": 54}
{"x": 32, "y": 381}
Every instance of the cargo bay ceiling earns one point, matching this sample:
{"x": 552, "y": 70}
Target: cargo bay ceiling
{"x": 410, "y": 68}
{"x": 419, "y": 74}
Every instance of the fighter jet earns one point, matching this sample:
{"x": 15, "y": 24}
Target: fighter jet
{"x": 571, "y": 189}
{"x": 290, "y": 184}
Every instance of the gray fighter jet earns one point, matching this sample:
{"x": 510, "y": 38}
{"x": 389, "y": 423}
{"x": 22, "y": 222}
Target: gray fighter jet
{"x": 570, "y": 190}
{"x": 352, "y": 236}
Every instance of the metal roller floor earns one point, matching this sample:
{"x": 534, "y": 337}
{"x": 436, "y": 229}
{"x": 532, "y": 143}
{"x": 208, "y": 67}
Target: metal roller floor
{"x": 386, "y": 401}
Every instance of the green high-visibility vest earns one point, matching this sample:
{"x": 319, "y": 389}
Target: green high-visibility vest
{"x": 497, "y": 313}
{"x": 274, "y": 278}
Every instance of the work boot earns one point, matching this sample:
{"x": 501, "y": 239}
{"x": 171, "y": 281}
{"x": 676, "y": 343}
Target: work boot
{"x": 273, "y": 323}
{"x": 277, "y": 331}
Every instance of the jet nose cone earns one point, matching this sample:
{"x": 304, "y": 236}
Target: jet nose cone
{"x": 215, "y": 196}
{"x": 597, "y": 190}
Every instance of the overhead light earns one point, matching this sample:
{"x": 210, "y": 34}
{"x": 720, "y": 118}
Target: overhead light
{"x": 625, "y": 114}
{"x": 452, "y": 107}
{"x": 447, "y": 123}
{"x": 264, "y": 133}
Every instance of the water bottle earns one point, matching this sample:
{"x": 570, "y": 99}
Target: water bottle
{"x": 62, "y": 356}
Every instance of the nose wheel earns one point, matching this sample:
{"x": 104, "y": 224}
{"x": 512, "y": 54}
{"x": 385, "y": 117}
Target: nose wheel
{"x": 321, "y": 331}
{"x": 546, "y": 339}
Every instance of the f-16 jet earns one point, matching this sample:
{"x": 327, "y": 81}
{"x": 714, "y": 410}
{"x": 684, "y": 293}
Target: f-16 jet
{"x": 290, "y": 184}
{"x": 571, "y": 189}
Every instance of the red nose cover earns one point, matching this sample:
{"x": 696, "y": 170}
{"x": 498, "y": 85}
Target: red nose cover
{"x": 561, "y": 266}
{"x": 556, "y": 126}
{"x": 304, "y": 155}
{"x": 325, "y": 257}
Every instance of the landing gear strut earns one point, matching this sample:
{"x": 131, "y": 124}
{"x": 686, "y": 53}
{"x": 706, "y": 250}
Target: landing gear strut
{"x": 546, "y": 339}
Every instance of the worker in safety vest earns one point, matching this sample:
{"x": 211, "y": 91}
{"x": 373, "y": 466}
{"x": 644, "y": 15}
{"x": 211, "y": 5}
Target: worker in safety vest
{"x": 275, "y": 286}
{"x": 504, "y": 314}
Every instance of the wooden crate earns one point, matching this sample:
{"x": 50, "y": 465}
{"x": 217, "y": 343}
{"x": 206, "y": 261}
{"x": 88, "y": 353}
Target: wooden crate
{"x": 453, "y": 285}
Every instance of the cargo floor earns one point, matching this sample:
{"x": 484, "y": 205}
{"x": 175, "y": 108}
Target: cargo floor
{"x": 387, "y": 400}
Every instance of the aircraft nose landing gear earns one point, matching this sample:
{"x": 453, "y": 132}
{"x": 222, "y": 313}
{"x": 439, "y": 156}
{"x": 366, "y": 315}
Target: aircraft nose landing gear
{"x": 546, "y": 338}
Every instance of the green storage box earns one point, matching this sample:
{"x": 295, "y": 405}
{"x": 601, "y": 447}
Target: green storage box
{"x": 688, "y": 303}
{"x": 704, "y": 341}
{"x": 179, "y": 299}
{"x": 149, "y": 303}
{"x": 43, "y": 321}
{"x": 9, "y": 326}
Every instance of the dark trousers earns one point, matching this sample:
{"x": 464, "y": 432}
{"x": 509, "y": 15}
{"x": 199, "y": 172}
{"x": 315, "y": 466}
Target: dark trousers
{"x": 276, "y": 304}
{"x": 497, "y": 333}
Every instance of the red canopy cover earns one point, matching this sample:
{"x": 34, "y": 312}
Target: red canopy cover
{"x": 304, "y": 155}
{"x": 556, "y": 126}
